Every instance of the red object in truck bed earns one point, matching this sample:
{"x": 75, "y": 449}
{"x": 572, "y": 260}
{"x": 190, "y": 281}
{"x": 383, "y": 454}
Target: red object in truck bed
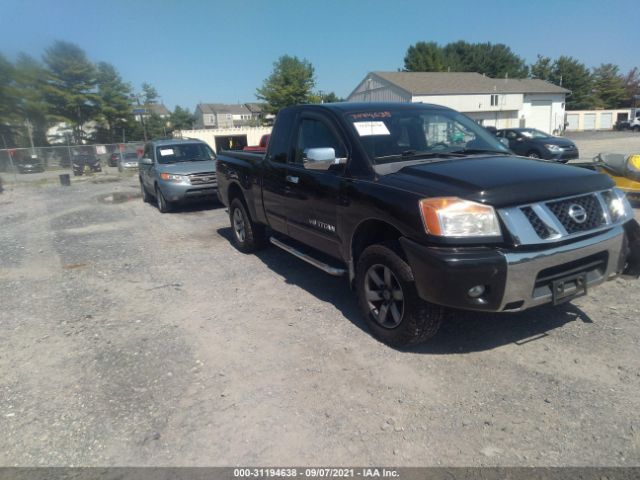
{"x": 261, "y": 148}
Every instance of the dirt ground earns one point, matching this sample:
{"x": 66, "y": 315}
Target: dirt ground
{"x": 135, "y": 338}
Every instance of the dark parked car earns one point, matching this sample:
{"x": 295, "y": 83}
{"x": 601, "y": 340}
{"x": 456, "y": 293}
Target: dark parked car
{"x": 30, "y": 165}
{"x": 529, "y": 142}
{"x": 86, "y": 162}
{"x": 113, "y": 159}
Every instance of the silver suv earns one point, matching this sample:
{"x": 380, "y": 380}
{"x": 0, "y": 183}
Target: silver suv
{"x": 174, "y": 171}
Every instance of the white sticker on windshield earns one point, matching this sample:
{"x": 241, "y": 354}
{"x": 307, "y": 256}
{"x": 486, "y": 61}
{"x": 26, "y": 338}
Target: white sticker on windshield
{"x": 166, "y": 151}
{"x": 371, "y": 128}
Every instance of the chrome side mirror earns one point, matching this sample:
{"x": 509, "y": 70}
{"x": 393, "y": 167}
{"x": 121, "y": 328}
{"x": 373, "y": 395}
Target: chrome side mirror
{"x": 321, "y": 158}
{"x": 146, "y": 161}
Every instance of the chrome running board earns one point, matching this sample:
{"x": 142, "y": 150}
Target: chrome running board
{"x": 337, "y": 272}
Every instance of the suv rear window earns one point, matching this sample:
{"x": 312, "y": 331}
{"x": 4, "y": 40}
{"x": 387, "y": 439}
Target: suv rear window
{"x": 184, "y": 152}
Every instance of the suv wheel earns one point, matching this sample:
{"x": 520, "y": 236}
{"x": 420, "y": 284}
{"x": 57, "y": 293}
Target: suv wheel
{"x": 247, "y": 235}
{"x": 163, "y": 205}
{"x": 146, "y": 198}
{"x": 389, "y": 302}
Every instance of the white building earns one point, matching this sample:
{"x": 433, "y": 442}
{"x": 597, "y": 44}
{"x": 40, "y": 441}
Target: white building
{"x": 501, "y": 103}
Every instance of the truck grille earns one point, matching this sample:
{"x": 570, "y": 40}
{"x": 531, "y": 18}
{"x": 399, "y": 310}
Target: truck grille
{"x": 204, "y": 178}
{"x": 562, "y": 218}
{"x": 538, "y": 225}
{"x": 594, "y": 213}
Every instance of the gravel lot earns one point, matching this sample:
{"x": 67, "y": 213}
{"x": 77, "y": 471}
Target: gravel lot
{"x": 135, "y": 338}
{"x": 592, "y": 143}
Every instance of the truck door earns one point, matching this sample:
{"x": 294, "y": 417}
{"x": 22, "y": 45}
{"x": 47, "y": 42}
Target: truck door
{"x": 275, "y": 193}
{"x": 314, "y": 195}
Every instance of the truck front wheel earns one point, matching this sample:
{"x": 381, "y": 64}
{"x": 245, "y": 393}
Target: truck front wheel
{"x": 389, "y": 301}
{"x": 247, "y": 235}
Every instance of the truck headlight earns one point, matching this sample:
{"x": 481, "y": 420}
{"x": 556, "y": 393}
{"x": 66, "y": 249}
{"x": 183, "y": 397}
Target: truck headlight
{"x": 455, "y": 217}
{"x": 172, "y": 177}
{"x": 620, "y": 207}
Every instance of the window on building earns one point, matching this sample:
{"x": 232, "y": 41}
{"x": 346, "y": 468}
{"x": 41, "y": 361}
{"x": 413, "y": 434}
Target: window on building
{"x": 494, "y": 100}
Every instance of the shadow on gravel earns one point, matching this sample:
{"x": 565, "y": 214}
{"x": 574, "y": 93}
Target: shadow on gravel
{"x": 461, "y": 332}
{"x": 197, "y": 206}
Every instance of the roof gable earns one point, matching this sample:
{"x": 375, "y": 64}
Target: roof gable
{"x": 444, "y": 83}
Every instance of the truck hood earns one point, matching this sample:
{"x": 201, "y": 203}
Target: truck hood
{"x": 496, "y": 180}
{"x": 188, "y": 168}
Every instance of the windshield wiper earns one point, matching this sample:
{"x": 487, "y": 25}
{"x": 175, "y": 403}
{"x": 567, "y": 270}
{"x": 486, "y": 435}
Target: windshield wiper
{"x": 480, "y": 150}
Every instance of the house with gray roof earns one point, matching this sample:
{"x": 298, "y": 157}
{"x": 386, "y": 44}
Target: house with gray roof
{"x": 150, "y": 109}
{"x": 496, "y": 102}
{"x": 220, "y": 115}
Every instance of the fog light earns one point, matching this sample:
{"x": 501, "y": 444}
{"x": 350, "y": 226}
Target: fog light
{"x": 475, "y": 292}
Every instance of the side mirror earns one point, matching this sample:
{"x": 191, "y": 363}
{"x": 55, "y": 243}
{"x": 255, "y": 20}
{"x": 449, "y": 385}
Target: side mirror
{"x": 504, "y": 141}
{"x": 519, "y": 139}
{"x": 321, "y": 158}
{"x": 146, "y": 161}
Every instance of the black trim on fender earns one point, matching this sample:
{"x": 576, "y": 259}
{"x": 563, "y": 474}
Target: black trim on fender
{"x": 445, "y": 275}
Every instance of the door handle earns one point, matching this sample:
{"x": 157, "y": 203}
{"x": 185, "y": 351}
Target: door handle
{"x": 292, "y": 179}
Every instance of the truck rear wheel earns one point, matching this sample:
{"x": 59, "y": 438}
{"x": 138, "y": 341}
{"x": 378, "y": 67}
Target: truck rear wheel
{"x": 247, "y": 235}
{"x": 389, "y": 301}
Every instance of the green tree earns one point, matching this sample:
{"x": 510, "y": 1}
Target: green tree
{"x": 31, "y": 102}
{"x": 331, "y": 97}
{"x": 149, "y": 94}
{"x": 494, "y": 60}
{"x": 575, "y": 76}
{"x": 290, "y": 83}
{"x": 114, "y": 102}
{"x": 181, "y": 119}
{"x": 542, "y": 69}
{"x": 70, "y": 86}
{"x": 608, "y": 86}
{"x": 8, "y": 104}
{"x": 425, "y": 57}
{"x": 631, "y": 83}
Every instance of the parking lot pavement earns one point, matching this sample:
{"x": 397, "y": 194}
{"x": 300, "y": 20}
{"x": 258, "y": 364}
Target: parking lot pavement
{"x": 135, "y": 338}
{"x": 591, "y": 143}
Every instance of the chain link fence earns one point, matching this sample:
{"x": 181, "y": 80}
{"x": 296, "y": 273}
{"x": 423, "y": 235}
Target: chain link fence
{"x": 40, "y": 159}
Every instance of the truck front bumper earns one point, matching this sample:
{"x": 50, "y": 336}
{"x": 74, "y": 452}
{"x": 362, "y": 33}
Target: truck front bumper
{"x": 514, "y": 280}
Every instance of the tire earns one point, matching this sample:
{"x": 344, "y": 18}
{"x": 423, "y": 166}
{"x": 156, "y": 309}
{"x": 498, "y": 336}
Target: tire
{"x": 248, "y": 236}
{"x": 146, "y": 198}
{"x": 163, "y": 205}
{"x": 533, "y": 154}
{"x": 408, "y": 320}
{"x": 636, "y": 128}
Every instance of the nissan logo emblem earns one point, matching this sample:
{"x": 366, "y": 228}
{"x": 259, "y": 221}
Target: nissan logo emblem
{"x": 577, "y": 213}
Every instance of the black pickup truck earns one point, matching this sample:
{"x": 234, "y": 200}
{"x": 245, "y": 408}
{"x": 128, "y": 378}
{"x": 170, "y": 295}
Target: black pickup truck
{"x": 425, "y": 211}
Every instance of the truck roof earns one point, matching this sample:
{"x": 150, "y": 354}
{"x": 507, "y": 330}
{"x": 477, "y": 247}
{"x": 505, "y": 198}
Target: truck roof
{"x": 346, "y": 107}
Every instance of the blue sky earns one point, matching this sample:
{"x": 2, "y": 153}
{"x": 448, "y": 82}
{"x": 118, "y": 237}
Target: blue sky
{"x": 221, "y": 51}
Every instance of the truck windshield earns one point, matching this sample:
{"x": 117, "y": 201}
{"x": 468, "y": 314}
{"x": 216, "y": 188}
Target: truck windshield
{"x": 391, "y": 136}
{"x": 184, "y": 152}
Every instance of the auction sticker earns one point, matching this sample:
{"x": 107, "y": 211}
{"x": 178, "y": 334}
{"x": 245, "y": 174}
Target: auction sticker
{"x": 166, "y": 151}
{"x": 371, "y": 128}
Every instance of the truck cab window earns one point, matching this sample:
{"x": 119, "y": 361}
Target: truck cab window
{"x": 314, "y": 133}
